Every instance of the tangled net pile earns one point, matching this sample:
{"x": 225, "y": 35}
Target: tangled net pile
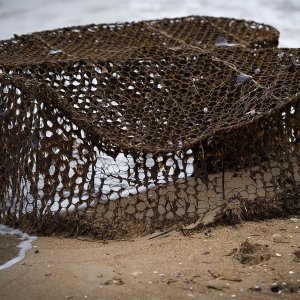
{"x": 117, "y": 130}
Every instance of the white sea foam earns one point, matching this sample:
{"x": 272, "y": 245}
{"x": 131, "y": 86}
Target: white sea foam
{"x": 25, "y": 244}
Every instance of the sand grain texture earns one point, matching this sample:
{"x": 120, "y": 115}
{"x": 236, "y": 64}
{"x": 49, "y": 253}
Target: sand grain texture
{"x": 8, "y": 247}
{"x": 170, "y": 266}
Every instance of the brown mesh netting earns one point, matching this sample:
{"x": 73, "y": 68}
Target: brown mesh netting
{"x": 120, "y": 129}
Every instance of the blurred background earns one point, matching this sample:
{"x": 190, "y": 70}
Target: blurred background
{"x": 25, "y": 16}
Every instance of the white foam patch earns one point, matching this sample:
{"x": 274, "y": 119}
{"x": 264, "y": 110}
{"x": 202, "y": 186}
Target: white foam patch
{"x": 25, "y": 244}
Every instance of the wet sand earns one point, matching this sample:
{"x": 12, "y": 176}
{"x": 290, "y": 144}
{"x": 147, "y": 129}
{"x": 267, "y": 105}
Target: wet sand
{"x": 8, "y": 247}
{"x": 255, "y": 260}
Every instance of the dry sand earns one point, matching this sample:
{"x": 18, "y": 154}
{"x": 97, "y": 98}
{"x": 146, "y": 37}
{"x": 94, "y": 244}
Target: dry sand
{"x": 203, "y": 265}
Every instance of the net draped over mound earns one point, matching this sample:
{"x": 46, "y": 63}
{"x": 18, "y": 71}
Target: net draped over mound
{"x": 120, "y": 129}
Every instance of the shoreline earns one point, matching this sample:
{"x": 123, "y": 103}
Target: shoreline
{"x": 13, "y": 245}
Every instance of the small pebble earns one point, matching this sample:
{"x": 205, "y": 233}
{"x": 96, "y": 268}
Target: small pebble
{"x": 257, "y": 71}
{"x": 55, "y": 51}
{"x": 256, "y": 288}
{"x": 241, "y": 78}
{"x": 251, "y": 112}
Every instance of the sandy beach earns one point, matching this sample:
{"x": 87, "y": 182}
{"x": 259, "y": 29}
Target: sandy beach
{"x": 254, "y": 260}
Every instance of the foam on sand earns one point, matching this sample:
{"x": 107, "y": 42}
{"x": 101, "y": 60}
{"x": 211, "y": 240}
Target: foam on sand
{"x": 24, "y": 245}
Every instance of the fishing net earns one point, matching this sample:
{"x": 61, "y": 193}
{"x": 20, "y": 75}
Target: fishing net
{"x": 117, "y": 130}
